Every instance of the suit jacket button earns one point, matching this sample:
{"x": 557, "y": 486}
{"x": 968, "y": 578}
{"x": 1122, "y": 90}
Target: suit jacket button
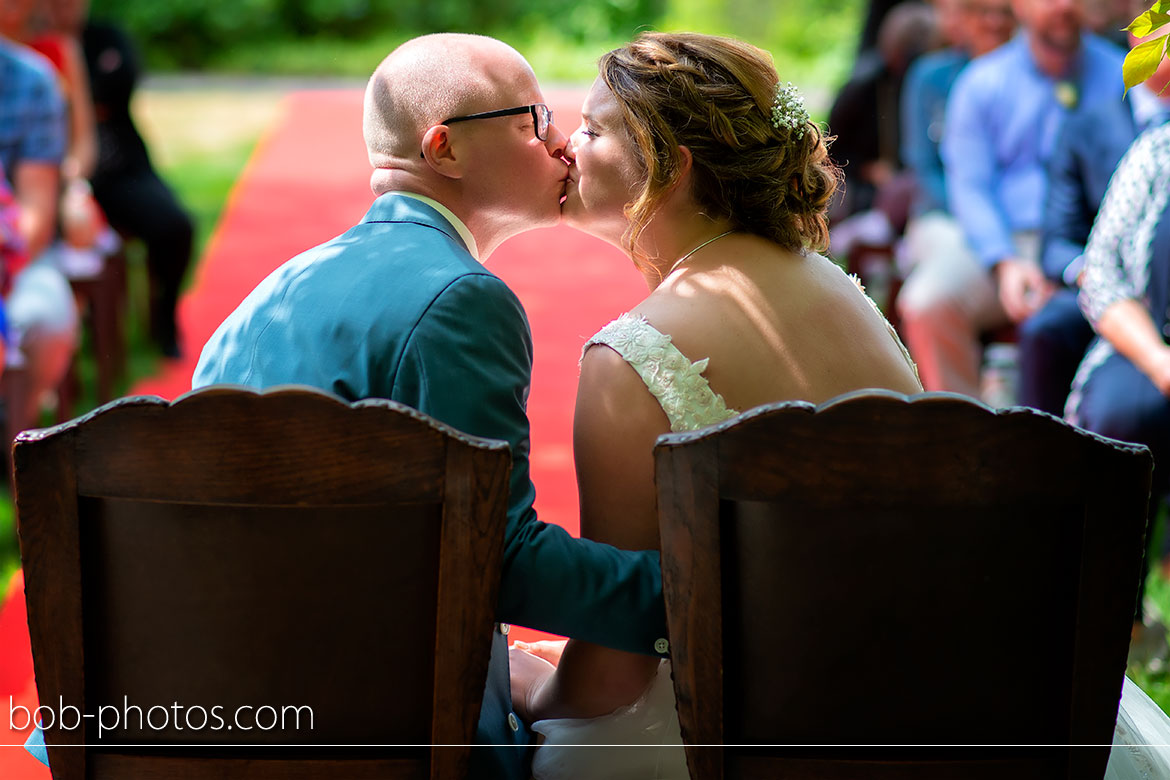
{"x": 661, "y": 646}
{"x": 513, "y": 721}
{"x": 505, "y": 628}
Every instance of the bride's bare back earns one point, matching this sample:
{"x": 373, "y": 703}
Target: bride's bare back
{"x": 777, "y": 326}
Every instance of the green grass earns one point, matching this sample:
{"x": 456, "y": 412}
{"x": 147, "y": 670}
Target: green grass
{"x": 9, "y": 551}
{"x": 1155, "y": 679}
{"x": 202, "y": 183}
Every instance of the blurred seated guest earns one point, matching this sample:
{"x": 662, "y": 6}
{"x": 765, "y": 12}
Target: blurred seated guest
{"x": 85, "y": 238}
{"x": 867, "y": 48}
{"x": 1053, "y": 341}
{"x": 864, "y": 116}
{"x": 1122, "y": 388}
{"x": 135, "y": 200}
{"x": 41, "y": 312}
{"x": 12, "y": 251}
{"x": 1002, "y": 117}
{"x": 1109, "y": 18}
{"x": 977, "y": 27}
{"x": 39, "y": 32}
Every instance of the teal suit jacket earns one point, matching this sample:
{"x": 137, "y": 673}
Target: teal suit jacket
{"x": 396, "y": 307}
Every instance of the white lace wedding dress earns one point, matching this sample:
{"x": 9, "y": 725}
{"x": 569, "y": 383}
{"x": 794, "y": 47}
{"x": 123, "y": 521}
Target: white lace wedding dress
{"x": 643, "y": 741}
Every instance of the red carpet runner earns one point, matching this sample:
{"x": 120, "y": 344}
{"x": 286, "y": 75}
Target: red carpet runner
{"x": 306, "y": 182}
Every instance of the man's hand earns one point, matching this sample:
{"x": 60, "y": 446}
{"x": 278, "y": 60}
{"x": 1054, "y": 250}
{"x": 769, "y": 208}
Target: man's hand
{"x": 529, "y": 674}
{"x": 1023, "y": 288}
{"x": 548, "y": 649}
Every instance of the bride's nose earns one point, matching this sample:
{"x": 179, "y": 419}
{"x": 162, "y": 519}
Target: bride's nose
{"x": 570, "y": 149}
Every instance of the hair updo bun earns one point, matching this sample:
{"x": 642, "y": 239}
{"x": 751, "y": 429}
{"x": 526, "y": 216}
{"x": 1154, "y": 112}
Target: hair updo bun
{"x": 715, "y": 96}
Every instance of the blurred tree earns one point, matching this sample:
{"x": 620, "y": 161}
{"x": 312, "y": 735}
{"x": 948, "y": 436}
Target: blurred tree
{"x": 189, "y": 33}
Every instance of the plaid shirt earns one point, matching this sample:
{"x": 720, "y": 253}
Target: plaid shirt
{"x": 32, "y": 110}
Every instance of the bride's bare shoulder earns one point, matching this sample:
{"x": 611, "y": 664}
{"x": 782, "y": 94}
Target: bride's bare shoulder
{"x": 757, "y": 282}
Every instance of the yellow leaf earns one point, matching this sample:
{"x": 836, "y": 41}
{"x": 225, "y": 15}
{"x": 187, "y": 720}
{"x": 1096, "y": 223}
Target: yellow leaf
{"x": 1142, "y": 61}
{"x": 1148, "y": 22}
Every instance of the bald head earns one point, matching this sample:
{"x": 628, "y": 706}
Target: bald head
{"x": 432, "y": 78}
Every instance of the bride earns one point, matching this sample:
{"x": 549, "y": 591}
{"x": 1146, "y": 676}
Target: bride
{"x": 699, "y": 164}
{"x": 693, "y": 159}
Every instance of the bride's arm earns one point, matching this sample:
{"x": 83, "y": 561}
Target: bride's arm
{"x": 615, "y": 425}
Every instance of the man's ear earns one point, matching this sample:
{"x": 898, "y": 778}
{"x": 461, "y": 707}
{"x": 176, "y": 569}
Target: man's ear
{"x": 439, "y": 152}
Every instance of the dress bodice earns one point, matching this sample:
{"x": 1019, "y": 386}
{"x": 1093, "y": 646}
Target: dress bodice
{"x": 677, "y": 383}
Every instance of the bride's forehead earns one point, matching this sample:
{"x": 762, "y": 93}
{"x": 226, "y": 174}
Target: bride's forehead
{"x": 600, "y": 103}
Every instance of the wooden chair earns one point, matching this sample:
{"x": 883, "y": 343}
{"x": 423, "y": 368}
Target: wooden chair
{"x": 284, "y": 548}
{"x": 101, "y": 299}
{"x": 884, "y": 570}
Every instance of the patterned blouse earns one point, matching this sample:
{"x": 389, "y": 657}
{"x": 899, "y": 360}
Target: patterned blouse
{"x": 1120, "y": 247}
{"x": 1117, "y": 257}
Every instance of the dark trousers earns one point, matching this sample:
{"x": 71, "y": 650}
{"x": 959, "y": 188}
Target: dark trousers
{"x": 138, "y": 203}
{"x": 1052, "y": 342}
{"x": 1121, "y": 403}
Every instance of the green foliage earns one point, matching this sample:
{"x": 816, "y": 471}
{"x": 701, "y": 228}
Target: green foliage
{"x": 1148, "y": 22}
{"x": 812, "y": 42}
{"x": 1154, "y": 677}
{"x": 196, "y": 33}
{"x": 1143, "y": 59}
{"x": 563, "y": 38}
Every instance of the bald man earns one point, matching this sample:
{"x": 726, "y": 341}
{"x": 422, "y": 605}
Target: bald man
{"x": 401, "y": 307}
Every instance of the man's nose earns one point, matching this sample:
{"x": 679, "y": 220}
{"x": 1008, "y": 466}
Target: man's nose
{"x": 558, "y": 144}
{"x": 570, "y": 149}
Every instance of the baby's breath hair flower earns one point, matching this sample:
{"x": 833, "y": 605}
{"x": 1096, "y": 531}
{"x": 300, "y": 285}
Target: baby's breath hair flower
{"x": 788, "y": 109}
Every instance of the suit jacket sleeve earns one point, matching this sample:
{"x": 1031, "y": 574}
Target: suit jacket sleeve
{"x": 1068, "y": 216}
{"x": 468, "y": 363}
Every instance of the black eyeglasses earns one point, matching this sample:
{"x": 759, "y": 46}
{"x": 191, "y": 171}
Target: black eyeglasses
{"x": 542, "y": 117}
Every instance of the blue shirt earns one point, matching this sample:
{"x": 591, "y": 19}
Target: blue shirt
{"x": 32, "y": 111}
{"x": 924, "y": 103}
{"x": 1002, "y": 119}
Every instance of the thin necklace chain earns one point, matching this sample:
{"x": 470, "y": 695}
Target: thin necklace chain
{"x": 684, "y": 258}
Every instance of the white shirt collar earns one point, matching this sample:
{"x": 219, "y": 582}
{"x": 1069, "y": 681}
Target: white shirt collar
{"x": 456, "y": 223}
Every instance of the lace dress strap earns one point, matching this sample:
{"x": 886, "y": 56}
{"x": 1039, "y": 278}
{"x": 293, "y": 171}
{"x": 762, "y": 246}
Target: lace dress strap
{"x": 677, "y": 383}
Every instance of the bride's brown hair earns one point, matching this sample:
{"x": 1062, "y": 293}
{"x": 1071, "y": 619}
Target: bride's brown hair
{"x": 714, "y": 96}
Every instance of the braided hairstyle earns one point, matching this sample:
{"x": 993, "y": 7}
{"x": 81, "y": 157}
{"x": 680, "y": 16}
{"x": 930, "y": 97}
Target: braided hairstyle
{"x": 714, "y": 96}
